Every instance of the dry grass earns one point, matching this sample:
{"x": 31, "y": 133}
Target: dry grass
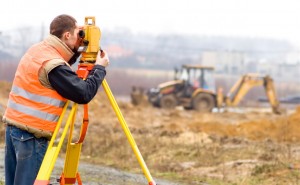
{"x": 222, "y": 161}
{"x": 194, "y": 148}
{"x": 184, "y": 146}
{"x": 4, "y": 91}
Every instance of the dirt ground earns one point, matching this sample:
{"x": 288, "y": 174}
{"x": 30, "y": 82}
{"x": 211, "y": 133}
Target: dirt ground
{"x": 237, "y": 146}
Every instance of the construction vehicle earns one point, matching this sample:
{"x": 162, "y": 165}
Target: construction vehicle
{"x": 194, "y": 88}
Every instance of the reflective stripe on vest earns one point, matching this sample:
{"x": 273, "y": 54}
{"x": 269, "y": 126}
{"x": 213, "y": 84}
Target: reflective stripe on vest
{"x": 33, "y": 112}
{"x": 17, "y": 91}
{"x": 37, "y": 98}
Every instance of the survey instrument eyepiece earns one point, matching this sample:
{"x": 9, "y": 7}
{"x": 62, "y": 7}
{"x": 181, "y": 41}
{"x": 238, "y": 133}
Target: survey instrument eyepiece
{"x": 81, "y": 34}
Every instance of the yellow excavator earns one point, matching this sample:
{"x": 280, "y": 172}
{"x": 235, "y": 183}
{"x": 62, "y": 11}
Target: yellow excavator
{"x": 194, "y": 88}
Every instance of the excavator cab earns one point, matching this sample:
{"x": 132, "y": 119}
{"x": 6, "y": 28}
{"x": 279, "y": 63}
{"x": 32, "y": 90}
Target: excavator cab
{"x": 201, "y": 77}
{"x": 197, "y": 77}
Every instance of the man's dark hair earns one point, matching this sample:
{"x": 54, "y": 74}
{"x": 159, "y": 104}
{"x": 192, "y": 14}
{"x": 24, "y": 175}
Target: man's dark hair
{"x": 61, "y": 24}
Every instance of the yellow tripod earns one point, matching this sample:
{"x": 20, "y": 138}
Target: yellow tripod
{"x": 70, "y": 173}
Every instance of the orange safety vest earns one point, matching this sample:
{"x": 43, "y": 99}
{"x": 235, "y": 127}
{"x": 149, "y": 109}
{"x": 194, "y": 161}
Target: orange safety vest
{"x": 30, "y": 103}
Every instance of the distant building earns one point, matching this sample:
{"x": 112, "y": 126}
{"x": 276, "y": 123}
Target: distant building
{"x": 293, "y": 57}
{"x": 116, "y": 51}
{"x": 226, "y": 62}
{"x": 267, "y": 68}
{"x": 288, "y": 71}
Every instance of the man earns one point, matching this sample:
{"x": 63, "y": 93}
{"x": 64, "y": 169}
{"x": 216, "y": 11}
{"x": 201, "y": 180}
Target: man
{"x": 43, "y": 82}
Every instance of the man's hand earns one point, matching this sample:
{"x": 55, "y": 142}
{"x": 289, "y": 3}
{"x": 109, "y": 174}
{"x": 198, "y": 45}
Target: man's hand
{"x": 102, "y": 59}
{"x": 74, "y": 57}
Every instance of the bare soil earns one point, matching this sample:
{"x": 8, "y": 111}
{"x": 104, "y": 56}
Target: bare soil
{"x": 237, "y": 146}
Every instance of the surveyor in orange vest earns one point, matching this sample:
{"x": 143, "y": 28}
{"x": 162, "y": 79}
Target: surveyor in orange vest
{"x": 43, "y": 82}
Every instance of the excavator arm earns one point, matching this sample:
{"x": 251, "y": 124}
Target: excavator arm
{"x": 247, "y": 82}
{"x": 271, "y": 94}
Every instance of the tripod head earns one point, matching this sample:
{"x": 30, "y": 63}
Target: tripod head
{"x": 91, "y": 35}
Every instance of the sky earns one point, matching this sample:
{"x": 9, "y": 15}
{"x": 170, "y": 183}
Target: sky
{"x": 278, "y": 19}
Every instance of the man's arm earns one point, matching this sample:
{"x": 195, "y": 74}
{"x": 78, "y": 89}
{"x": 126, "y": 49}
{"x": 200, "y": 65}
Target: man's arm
{"x": 70, "y": 86}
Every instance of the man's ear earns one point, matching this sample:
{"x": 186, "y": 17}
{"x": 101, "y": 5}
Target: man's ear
{"x": 67, "y": 35}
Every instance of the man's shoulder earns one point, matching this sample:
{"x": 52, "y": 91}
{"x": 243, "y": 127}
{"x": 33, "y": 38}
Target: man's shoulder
{"x": 47, "y": 67}
{"x": 53, "y": 63}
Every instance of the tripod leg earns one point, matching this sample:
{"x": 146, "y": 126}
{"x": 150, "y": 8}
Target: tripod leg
{"x": 53, "y": 151}
{"x": 70, "y": 173}
{"x": 127, "y": 133}
{"x": 71, "y": 163}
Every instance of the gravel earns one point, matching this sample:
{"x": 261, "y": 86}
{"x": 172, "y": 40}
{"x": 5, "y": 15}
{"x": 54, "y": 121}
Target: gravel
{"x": 95, "y": 174}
